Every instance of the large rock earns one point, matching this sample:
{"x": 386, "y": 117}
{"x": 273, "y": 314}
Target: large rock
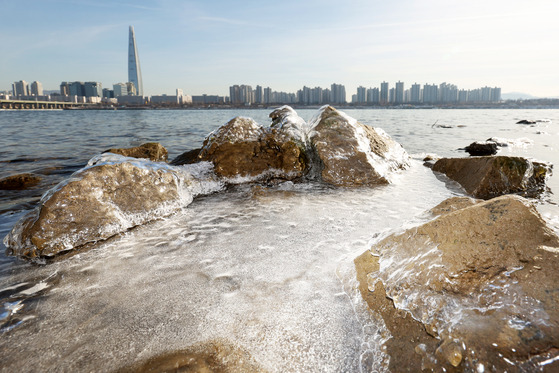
{"x": 242, "y": 149}
{"x": 488, "y": 177}
{"x": 153, "y": 151}
{"x": 19, "y": 182}
{"x": 108, "y": 197}
{"x": 481, "y": 284}
{"x": 353, "y": 154}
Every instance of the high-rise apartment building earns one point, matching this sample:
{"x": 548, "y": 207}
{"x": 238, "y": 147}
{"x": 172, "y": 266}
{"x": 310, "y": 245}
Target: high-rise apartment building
{"x": 399, "y": 93}
{"x": 361, "y": 95}
{"x": 134, "y": 71}
{"x": 36, "y": 88}
{"x": 77, "y": 89}
{"x": 20, "y": 88}
{"x": 415, "y": 93}
{"x": 337, "y": 94}
{"x": 384, "y": 93}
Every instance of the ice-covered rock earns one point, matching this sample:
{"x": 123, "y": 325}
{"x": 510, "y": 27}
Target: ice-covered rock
{"x": 288, "y": 125}
{"x": 351, "y": 153}
{"x": 492, "y": 176}
{"x": 109, "y": 196}
{"x": 242, "y": 150}
{"x": 479, "y": 282}
{"x": 152, "y": 150}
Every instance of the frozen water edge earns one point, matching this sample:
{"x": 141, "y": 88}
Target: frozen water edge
{"x": 268, "y": 269}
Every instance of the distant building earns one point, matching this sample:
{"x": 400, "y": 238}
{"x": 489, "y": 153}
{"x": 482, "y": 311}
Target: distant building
{"x": 430, "y": 93}
{"x": 93, "y": 89}
{"x": 64, "y": 89}
{"x": 337, "y": 94}
{"x": 134, "y": 71}
{"x": 131, "y": 88}
{"x": 415, "y": 93}
{"x": 208, "y": 99}
{"x": 120, "y": 89}
{"x": 77, "y": 89}
{"x": 384, "y": 93}
{"x": 108, "y": 93}
{"x": 36, "y": 88}
{"x": 132, "y": 100}
{"x": 20, "y": 88}
{"x": 373, "y": 96}
{"x": 241, "y": 95}
{"x": 361, "y": 95}
{"x": 399, "y": 93}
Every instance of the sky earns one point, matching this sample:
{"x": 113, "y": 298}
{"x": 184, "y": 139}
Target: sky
{"x": 207, "y": 46}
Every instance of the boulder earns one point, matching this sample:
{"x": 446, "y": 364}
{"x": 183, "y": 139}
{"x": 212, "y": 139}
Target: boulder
{"x": 109, "y": 196}
{"x": 488, "y": 177}
{"x": 526, "y": 121}
{"x": 242, "y": 149}
{"x": 153, "y": 151}
{"x": 351, "y": 153}
{"x": 481, "y": 148}
{"x": 288, "y": 125}
{"x": 19, "y": 182}
{"x": 473, "y": 290}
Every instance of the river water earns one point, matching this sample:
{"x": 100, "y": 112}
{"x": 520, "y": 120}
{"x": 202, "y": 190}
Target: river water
{"x": 268, "y": 269}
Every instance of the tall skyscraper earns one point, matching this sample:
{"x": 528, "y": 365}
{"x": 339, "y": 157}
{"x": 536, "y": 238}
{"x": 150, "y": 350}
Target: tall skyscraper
{"x": 134, "y": 71}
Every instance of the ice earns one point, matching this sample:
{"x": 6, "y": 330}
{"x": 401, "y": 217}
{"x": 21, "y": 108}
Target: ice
{"x": 269, "y": 269}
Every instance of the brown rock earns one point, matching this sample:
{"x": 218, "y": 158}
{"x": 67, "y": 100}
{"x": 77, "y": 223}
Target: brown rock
{"x": 482, "y": 279}
{"x": 96, "y": 203}
{"x": 488, "y": 177}
{"x": 153, "y": 151}
{"x": 210, "y": 357}
{"x": 352, "y": 154}
{"x": 242, "y": 148}
{"x": 19, "y": 182}
{"x": 188, "y": 157}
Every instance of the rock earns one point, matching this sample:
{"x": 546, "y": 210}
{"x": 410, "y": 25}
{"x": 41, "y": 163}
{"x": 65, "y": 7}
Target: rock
{"x": 430, "y": 160}
{"x": 526, "y": 121}
{"x": 188, "y": 157}
{"x": 289, "y": 125}
{"x": 110, "y": 196}
{"x": 453, "y": 204}
{"x": 19, "y": 182}
{"x": 243, "y": 149}
{"x": 481, "y": 148}
{"x": 352, "y": 154}
{"x": 481, "y": 280}
{"x": 213, "y": 356}
{"x": 488, "y": 177}
{"x": 152, "y": 150}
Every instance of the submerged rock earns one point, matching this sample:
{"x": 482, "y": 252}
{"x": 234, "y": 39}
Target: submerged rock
{"x": 153, "y": 151}
{"x": 19, "y": 182}
{"x": 188, "y": 157}
{"x": 488, "y": 177}
{"x": 480, "y": 283}
{"x": 526, "y": 121}
{"x": 353, "y": 154}
{"x": 481, "y": 148}
{"x": 243, "y": 149}
{"x": 213, "y": 356}
{"x": 111, "y": 195}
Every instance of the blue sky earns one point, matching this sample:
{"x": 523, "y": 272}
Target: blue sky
{"x": 206, "y": 46}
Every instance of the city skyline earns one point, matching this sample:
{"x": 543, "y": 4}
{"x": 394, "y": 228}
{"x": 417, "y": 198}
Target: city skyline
{"x": 204, "y": 48}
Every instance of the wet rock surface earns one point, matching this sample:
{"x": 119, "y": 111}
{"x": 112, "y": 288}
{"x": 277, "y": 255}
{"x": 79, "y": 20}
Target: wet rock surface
{"x": 96, "y": 203}
{"x": 353, "y": 154}
{"x": 153, "y": 151}
{"x": 19, "y": 182}
{"x": 481, "y": 148}
{"x": 212, "y": 357}
{"x": 480, "y": 283}
{"x": 242, "y": 148}
{"x": 488, "y": 177}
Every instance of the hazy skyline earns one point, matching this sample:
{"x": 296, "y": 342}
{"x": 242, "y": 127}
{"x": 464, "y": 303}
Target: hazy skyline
{"x": 205, "y": 47}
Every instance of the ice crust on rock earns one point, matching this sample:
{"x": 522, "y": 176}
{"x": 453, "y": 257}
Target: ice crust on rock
{"x": 290, "y": 125}
{"x": 110, "y": 195}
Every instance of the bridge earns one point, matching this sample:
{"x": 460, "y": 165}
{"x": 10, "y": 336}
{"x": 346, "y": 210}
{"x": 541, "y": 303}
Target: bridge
{"x": 34, "y": 105}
